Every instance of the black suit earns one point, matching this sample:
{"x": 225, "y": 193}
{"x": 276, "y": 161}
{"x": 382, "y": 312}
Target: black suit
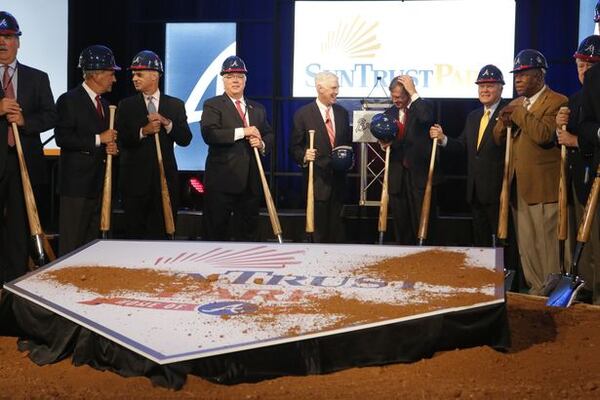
{"x": 139, "y": 176}
{"x": 81, "y": 167}
{"x": 589, "y": 141}
{"x": 590, "y": 118}
{"x": 231, "y": 177}
{"x": 329, "y": 185}
{"x": 408, "y": 170}
{"x": 39, "y": 112}
{"x": 485, "y": 166}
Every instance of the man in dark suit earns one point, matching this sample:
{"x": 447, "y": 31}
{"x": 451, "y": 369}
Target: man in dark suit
{"x": 25, "y": 99}
{"x": 409, "y": 158}
{"x": 139, "y": 118}
{"x": 582, "y": 140}
{"x": 232, "y": 126}
{"x": 332, "y": 128}
{"x": 84, "y": 139}
{"x": 485, "y": 159}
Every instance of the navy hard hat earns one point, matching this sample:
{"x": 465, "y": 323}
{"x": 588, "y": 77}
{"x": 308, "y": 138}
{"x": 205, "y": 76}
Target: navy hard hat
{"x": 529, "y": 59}
{"x": 589, "y": 49}
{"x": 233, "y": 64}
{"x": 342, "y": 158}
{"x": 9, "y": 24}
{"x": 597, "y": 14}
{"x": 97, "y": 57}
{"x": 490, "y": 74}
{"x": 146, "y": 60}
{"x": 383, "y": 127}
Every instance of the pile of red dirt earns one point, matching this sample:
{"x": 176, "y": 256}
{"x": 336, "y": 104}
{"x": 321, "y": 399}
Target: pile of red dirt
{"x": 555, "y": 354}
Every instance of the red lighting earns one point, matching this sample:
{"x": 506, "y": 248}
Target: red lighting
{"x": 197, "y": 185}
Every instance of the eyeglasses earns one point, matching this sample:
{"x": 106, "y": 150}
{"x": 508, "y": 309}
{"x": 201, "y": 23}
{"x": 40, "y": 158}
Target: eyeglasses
{"x": 234, "y": 76}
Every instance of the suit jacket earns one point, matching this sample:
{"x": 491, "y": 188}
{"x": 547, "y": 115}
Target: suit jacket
{"x": 485, "y": 165}
{"x": 590, "y": 118}
{"x": 81, "y": 163}
{"x": 413, "y": 151}
{"x": 535, "y": 159}
{"x": 326, "y": 180}
{"x": 35, "y": 98}
{"x": 138, "y": 166}
{"x": 582, "y": 165}
{"x": 230, "y": 165}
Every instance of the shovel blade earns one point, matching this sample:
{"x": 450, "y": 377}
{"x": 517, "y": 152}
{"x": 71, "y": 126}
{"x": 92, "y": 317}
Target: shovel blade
{"x": 565, "y": 291}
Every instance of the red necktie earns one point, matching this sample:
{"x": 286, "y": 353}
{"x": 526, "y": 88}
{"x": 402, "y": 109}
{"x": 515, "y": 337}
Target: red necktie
{"x": 99, "y": 109}
{"x": 9, "y": 92}
{"x": 401, "y": 126}
{"x": 329, "y": 126}
{"x": 238, "y": 105}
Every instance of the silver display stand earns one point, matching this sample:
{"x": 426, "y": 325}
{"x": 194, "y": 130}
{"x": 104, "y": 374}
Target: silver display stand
{"x": 370, "y": 151}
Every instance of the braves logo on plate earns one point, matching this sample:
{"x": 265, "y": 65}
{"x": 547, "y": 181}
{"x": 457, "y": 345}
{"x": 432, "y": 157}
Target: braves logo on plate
{"x": 227, "y": 308}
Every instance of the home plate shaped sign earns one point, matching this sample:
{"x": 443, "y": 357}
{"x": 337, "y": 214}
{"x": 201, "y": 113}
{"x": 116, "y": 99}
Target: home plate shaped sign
{"x": 175, "y": 301}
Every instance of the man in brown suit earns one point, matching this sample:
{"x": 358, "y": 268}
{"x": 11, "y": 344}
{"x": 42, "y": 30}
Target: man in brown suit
{"x": 535, "y": 166}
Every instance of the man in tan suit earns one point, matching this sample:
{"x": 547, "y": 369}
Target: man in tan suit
{"x": 535, "y": 166}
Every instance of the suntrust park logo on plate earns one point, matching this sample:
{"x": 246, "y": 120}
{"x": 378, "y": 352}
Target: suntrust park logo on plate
{"x": 228, "y": 308}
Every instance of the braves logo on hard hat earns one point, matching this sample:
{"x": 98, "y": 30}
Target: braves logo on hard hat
{"x": 233, "y": 64}
{"x": 146, "y": 60}
{"x": 529, "y": 59}
{"x": 9, "y": 24}
{"x": 589, "y": 49}
{"x": 490, "y": 74}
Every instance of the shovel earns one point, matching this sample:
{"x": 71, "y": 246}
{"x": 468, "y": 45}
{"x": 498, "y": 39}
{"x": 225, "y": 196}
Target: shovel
{"x": 569, "y": 284}
{"x": 552, "y": 280}
{"x": 502, "y": 232}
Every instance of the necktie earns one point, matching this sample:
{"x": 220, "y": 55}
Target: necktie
{"x": 329, "y": 126}
{"x": 238, "y": 105}
{"x": 151, "y": 105}
{"x": 526, "y": 104}
{"x": 99, "y": 109}
{"x": 485, "y": 118}
{"x": 9, "y": 92}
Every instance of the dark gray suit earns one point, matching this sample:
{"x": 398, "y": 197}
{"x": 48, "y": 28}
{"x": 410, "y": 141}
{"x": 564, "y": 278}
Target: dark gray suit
{"x": 485, "y": 166}
{"x": 329, "y": 185}
{"x": 39, "y": 112}
{"x": 81, "y": 167}
{"x": 231, "y": 178}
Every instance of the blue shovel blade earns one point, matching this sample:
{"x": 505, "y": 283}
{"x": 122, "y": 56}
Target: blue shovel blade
{"x": 565, "y": 291}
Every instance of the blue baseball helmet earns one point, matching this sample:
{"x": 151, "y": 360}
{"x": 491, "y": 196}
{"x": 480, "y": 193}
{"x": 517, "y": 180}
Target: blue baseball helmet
{"x": 146, "y": 60}
{"x": 342, "y": 158}
{"x": 490, "y": 74}
{"x": 233, "y": 64}
{"x": 529, "y": 59}
{"x": 597, "y": 14}
{"x": 97, "y": 57}
{"x": 9, "y": 24}
{"x": 383, "y": 127}
{"x": 589, "y": 49}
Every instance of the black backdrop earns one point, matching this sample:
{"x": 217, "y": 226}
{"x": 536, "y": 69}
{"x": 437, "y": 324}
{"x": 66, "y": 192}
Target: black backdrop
{"x": 265, "y": 42}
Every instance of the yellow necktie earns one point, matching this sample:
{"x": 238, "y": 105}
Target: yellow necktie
{"x": 485, "y": 118}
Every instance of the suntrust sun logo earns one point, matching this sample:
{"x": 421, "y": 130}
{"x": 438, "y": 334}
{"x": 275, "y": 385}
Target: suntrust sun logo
{"x": 355, "y": 39}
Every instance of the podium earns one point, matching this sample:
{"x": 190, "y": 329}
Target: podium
{"x": 371, "y": 156}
